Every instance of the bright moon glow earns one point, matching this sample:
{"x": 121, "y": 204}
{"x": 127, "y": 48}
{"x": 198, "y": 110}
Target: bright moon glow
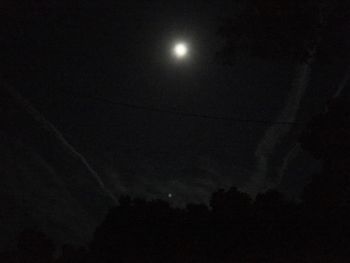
{"x": 180, "y": 50}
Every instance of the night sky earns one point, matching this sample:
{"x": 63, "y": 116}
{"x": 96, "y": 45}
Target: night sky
{"x": 103, "y": 73}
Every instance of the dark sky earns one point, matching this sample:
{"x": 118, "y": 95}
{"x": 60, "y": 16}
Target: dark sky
{"x": 85, "y": 66}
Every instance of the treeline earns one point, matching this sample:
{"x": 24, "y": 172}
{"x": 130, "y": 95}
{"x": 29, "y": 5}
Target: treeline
{"x": 233, "y": 227}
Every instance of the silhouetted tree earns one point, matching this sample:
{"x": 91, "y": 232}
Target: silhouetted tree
{"x": 235, "y": 228}
{"x": 293, "y": 32}
{"x": 326, "y": 198}
{"x": 327, "y": 137}
{"x": 34, "y": 247}
{"x": 231, "y": 204}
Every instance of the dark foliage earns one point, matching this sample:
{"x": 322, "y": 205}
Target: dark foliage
{"x": 286, "y": 30}
{"x": 234, "y": 228}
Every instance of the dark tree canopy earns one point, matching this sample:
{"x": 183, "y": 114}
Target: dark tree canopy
{"x": 281, "y": 30}
{"x": 327, "y": 137}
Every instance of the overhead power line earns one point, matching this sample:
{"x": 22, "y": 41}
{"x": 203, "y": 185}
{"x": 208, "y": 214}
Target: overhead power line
{"x": 188, "y": 114}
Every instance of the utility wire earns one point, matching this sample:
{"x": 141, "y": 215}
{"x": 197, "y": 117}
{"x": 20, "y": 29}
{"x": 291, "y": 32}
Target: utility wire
{"x": 187, "y": 114}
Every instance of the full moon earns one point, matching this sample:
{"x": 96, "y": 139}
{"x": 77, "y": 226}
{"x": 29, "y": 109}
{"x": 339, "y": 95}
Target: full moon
{"x": 180, "y": 50}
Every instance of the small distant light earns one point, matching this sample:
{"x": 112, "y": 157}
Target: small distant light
{"x": 170, "y": 195}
